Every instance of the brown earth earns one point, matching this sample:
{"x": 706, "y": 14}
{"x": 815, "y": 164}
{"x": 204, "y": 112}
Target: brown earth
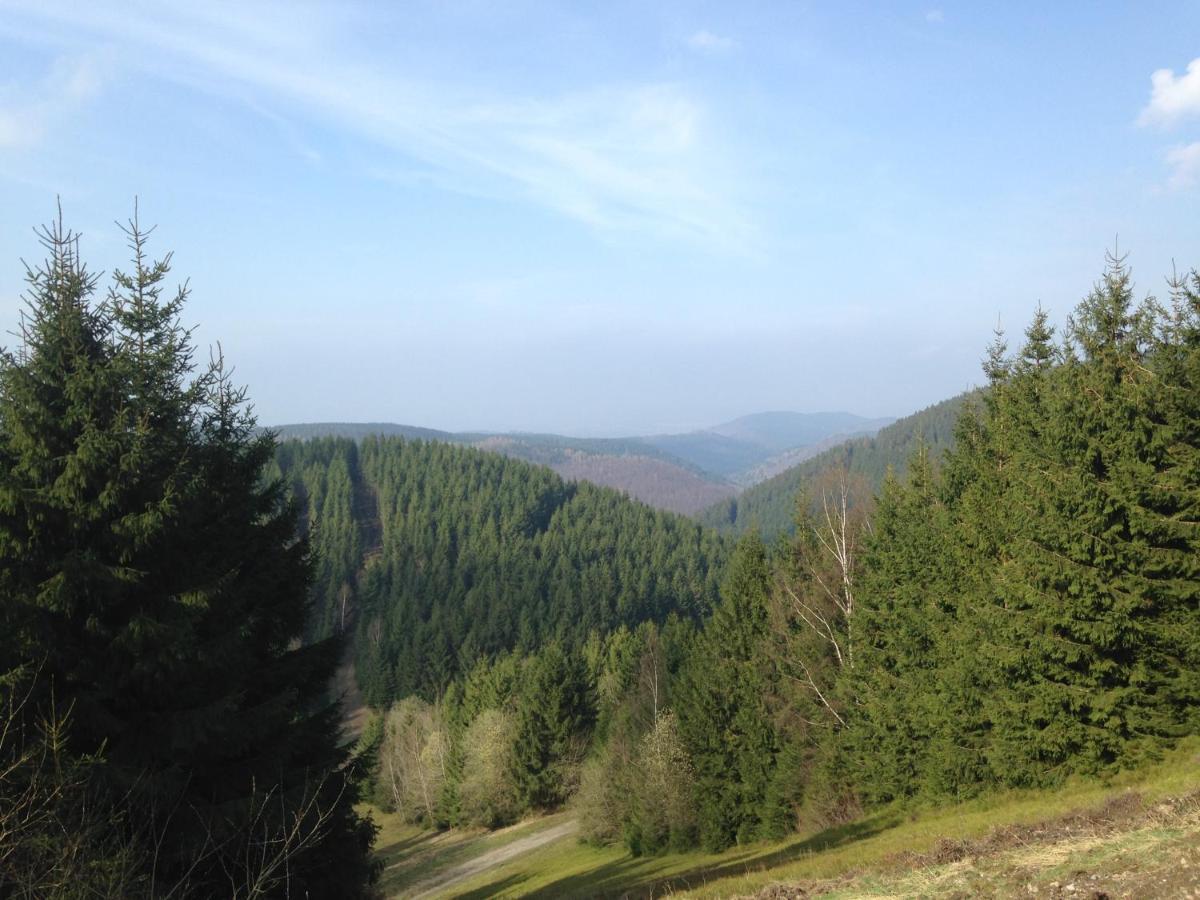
{"x": 1123, "y": 849}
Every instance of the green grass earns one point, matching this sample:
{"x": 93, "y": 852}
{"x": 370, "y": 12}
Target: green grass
{"x": 865, "y": 849}
{"x": 411, "y": 855}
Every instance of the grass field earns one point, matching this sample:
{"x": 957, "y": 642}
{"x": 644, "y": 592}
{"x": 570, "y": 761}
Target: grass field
{"x": 1137, "y": 835}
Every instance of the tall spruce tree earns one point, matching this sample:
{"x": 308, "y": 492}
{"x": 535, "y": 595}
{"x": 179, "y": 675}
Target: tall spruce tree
{"x": 723, "y": 708}
{"x": 903, "y": 715}
{"x": 552, "y": 711}
{"x": 157, "y": 584}
{"x": 1175, "y": 496}
{"x": 1073, "y": 593}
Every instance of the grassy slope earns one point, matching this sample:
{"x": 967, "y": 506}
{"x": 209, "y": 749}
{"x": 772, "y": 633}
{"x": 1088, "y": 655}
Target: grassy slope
{"x": 979, "y": 846}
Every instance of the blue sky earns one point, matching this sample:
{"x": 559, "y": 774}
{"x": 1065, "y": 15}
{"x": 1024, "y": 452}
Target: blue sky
{"x": 606, "y": 218}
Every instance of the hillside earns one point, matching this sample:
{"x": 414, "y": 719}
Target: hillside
{"x": 465, "y": 554}
{"x": 735, "y": 449}
{"x": 682, "y": 473}
{"x": 1138, "y": 836}
{"x": 653, "y": 481}
{"x": 770, "y": 505}
{"x": 305, "y": 431}
{"x": 780, "y": 431}
{"x": 643, "y": 471}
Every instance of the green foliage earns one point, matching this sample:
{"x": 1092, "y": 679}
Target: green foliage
{"x": 895, "y": 692}
{"x": 489, "y": 794}
{"x": 662, "y": 792}
{"x": 638, "y": 786}
{"x": 553, "y": 713}
{"x": 413, "y": 754}
{"x": 468, "y": 554}
{"x": 62, "y": 835}
{"x": 1061, "y": 547}
{"x": 155, "y": 579}
{"x": 722, "y": 706}
{"x": 770, "y": 507}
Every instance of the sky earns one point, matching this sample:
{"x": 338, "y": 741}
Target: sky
{"x": 605, "y": 218}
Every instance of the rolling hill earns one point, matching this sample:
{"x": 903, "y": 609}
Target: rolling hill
{"x": 438, "y": 555}
{"x": 683, "y": 473}
{"x": 737, "y": 449}
{"x": 770, "y": 505}
{"x": 780, "y": 431}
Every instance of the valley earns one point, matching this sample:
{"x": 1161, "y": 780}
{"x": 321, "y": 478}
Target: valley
{"x": 813, "y": 507}
{"x": 682, "y": 473}
{"x": 573, "y": 694}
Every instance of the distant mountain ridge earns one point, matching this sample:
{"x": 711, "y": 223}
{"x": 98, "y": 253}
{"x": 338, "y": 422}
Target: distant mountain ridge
{"x": 683, "y": 473}
{"x": 782, "y": 431}
{"x": 734, "y": 449}
{"x": 770, "y": 505}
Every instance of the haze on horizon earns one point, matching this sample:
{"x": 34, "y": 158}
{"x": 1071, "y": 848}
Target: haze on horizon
{"x": 608, "y": 219}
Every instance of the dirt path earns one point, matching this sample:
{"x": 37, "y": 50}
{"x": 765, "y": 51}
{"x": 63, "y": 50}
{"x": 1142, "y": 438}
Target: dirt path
{"x": 345, "y": 685}
{"x": 354, "y": 709}
{"x": 488, "y": 861}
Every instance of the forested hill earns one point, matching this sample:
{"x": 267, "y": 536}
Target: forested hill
{"x": 683, "y": 473}
{"x": 771, "y": 505}
{"x": 642, "y": 470}
{"x": 465, "y": 553}
{"x": 359, "y": 430}
{"x": 737, "y": 450}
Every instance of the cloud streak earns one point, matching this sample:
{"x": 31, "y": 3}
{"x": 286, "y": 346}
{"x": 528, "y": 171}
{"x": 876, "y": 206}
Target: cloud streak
{"x": 629, "y": 157}
{"x": 28, "y": 113}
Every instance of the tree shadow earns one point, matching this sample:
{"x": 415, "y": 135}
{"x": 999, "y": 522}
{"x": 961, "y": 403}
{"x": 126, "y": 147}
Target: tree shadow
{"x": 491, "y": 890}
{"x": 620, "y": 878}
{"x": 392, "y": 851}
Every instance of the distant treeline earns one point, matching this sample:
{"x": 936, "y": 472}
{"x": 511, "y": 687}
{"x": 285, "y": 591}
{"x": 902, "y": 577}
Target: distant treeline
{"x": 770, "y": 506}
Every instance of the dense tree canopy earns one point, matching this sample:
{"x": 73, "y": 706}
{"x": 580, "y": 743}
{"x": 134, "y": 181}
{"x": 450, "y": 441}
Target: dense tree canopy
{"x": 1060, "y": 546}
{"x": 154, "y": 590}
{"x": 467, "y": 554}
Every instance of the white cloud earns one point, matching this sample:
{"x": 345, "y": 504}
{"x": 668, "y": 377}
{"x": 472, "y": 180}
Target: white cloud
{"x": 1172, "y": 97}
{"x": 707, "y": 42}
{"x": 1185, "y": 166}
{"x": 618, "y": 157}
{"x": 934, "y": 16}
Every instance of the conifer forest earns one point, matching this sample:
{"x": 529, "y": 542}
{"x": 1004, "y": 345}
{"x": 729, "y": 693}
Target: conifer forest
{"x": 562, "y": 450}
{"x": 179, "y": 586}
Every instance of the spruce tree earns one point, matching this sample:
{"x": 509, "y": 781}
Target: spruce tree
{"x": 552, "y": 712}
{"x": 158, "y": 585}
{"x": 723, "y": 708}
{"x": 1071, "y": 597}
{"x": 902, "y": 713}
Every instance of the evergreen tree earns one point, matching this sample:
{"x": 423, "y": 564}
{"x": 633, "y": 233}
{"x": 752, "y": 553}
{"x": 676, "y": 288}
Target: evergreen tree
{"x": 158, "y": 583}
{"x": 722, "y": 704}
{"x": 897, "y": 711}
{"x": 552, "y": 714}
{"x": 1074, "y": 592}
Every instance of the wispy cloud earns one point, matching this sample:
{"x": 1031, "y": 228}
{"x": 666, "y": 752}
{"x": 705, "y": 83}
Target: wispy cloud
{"x": 635, "y": 156}
{"x": 707, "y": 42}
{"x": 29, "y": 112}
{"x": 1185, "y": 166}
{"x": 1172, "y": 97}
{"x": 934, "y": 16}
